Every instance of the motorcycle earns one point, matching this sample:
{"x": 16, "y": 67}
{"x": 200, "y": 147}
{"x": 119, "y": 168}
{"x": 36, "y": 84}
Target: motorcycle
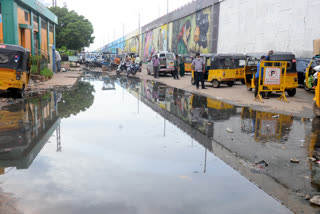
{"x": 132, "y": 69}
{"x": 121, "y": 68}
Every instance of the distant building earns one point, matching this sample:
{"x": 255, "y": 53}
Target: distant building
{"x": 27, "y": 23}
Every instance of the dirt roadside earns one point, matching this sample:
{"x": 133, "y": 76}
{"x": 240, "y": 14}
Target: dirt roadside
{"x": 60, "y": 80}
{"x": 300, "y": 105}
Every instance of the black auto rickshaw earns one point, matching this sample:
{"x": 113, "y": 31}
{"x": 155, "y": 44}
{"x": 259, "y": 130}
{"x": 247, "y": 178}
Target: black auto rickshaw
{"x": 14, "y": 69}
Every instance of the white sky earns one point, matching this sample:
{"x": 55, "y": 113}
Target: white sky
{"x": 109, "y": 16}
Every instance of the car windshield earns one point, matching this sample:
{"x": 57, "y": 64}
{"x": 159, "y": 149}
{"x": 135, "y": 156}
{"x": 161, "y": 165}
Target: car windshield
{"x": 316, "y": 62}
{"x": 169, "y": 56}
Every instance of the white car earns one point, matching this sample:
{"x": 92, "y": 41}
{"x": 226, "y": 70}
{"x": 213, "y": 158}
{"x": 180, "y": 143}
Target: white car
{"x": 166, "y": 63}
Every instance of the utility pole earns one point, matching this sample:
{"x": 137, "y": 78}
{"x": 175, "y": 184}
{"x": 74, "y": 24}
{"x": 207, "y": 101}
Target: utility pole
{"x": 167, "y": 39}
{"x": 139, "y": 32}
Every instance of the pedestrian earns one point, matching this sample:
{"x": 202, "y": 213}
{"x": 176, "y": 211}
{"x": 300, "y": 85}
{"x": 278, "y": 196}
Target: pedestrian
{"x": 260, "y": 73}
{"x": 156, "y": 65}
{"x": 182, "y": 68}
{"x": 176, "y": 68}
{"x": 198, "y": 67}
{"x": 58, "y": 60}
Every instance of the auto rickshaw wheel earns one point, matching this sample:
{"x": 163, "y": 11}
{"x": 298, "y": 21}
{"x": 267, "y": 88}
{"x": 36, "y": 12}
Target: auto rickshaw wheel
{"x": 230, "y": 84}
{"x": 192, "y": 81}
{"x": 243, "y": 82}
{"x": 20, "y": 93}
{"x": 249, "y": 88}
{"x": 316, "y": 109}
{"x": 306, "y": 87}
{"x": 215, "y": 83}
{"x": 291, "y": 92}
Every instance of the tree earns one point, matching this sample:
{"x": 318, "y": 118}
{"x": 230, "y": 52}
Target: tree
{"x": 73, "y": 31}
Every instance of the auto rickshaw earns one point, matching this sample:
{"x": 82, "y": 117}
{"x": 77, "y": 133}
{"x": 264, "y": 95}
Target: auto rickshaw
{"x": 291, "y": 75}
{"x": 316, "y": 105}
{"x": 15, "y": 67}
{"x": 308, "y": 82}
{"x": 239, "y": 64}
{"x": 187, "y": 58}
{"x": 219, "y": 69}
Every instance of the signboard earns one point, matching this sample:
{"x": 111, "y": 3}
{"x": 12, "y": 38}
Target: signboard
{"x": 272, "y": 76}
{"x": 72, "y": 58}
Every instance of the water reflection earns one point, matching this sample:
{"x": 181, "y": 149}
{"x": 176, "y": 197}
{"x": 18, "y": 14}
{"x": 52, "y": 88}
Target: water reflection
{"x": 256, "y": 136}
{"x": 25, "y": 129}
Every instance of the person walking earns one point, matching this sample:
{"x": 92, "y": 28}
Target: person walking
{"x": 156, "y": 65}
{"x": 260, "y": 73}
{"x": 176, "y": 68}
{"x": 182, "y": 68}
{"x": 58, "y": 60}
{"x": 198, "y": 67}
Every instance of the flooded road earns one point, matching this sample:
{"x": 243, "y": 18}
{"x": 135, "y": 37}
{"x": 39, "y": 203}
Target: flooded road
{"x": 130, "y": 146}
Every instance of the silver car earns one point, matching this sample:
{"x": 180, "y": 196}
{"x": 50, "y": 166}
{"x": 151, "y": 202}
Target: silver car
{"x": 166, "y": 63}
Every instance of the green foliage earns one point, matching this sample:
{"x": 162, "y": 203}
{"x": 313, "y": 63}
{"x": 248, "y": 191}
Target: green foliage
{"x": 34, "y": 60}
{"x": 34, "y": 69}
{"x": 65, "y": 52}
{"x": 73, "y": 31}
{"x": 46, "y": 72}
{"x": 77, "y": 100}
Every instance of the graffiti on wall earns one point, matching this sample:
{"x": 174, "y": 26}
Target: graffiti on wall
{"x": 192, "y": 34}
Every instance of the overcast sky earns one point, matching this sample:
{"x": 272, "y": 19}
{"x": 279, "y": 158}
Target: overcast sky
{"x": 109, "y": 16}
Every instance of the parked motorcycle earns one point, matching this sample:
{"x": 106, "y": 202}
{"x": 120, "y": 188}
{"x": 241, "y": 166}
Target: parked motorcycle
{"x": 121, "y": 68}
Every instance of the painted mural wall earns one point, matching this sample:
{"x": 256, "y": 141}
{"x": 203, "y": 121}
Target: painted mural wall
{"x": 188, "y": 35}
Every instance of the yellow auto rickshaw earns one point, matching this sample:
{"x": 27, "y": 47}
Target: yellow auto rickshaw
{"x": 14, "y": 69}
{"x": 316, "y": 105}
{"x": 219, "y": 69}
{"x": 308, "y": 82}
{"x": 187, "y": 58}
{"x": 291, "y": 75}
{"x": 239, "y": 61}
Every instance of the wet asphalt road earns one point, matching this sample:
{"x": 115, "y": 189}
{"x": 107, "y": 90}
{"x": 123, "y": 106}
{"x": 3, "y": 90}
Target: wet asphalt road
{"x": 130, "y": 146}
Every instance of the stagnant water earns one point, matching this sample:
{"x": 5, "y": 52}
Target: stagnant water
{"x": 130, "y": 146}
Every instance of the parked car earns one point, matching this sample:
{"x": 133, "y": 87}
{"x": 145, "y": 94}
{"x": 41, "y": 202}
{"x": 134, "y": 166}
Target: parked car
{"x": 166, "y": 63}
{"x": 302, "y": 64}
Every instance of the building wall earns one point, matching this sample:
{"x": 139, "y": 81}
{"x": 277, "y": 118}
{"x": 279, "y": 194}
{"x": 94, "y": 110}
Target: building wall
{"x": 24, "y": 33}
{"x": 258, "y": 26}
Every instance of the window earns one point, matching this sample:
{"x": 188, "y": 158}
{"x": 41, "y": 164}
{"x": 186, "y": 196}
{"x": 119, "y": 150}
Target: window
{"x": 188, "y": 59}
{"x": 35, "y": 19}
{"x": 43, "y": 24}
{"x": 51, "y": 28}
{"x": 26, "y": 16}
{"x": 170, "y": 57}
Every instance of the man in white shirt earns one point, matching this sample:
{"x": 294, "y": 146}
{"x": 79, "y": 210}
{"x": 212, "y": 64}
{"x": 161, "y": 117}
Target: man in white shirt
{"x": 58, "y": 60}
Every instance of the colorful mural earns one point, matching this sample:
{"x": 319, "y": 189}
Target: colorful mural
{"x": 191, "y": 34}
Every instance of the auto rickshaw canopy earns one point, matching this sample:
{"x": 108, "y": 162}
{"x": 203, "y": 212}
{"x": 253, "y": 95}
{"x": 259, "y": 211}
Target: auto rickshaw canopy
{"x": 14, "y": 57}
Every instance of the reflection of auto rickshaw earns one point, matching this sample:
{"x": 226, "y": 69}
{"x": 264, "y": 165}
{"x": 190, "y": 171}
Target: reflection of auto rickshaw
{"x": 187, "y": 58}
{"x": 308, "y": 82}
{"x": 12, "y": 129}
{"x": 14, "y": 69}
{"x": 239, "y": 64}
{"x": 219, "y": 69}
{"x": 291, "y": 76}
{"x": 264, "y": 125}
